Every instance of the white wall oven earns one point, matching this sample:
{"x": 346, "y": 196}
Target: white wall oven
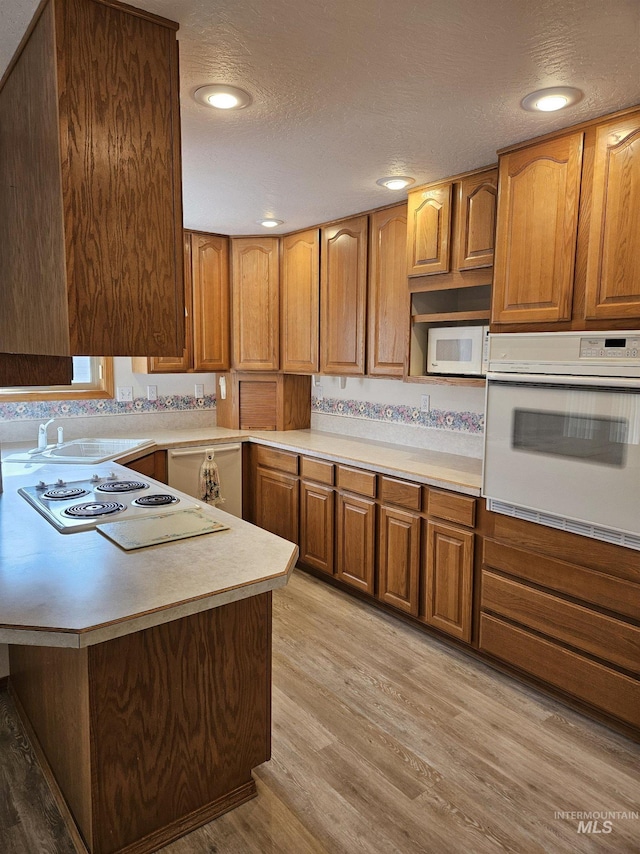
{"x": 562, "y": 436}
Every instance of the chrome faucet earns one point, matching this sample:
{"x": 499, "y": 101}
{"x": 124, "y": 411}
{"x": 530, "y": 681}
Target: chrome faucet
{"x": 42, "y": 435}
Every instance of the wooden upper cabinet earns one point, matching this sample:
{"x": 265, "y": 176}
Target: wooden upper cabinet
{"x": 90, "y": 163}
{"x": 255, "y": 285}
{"x": 537, "y": 229}
{"x": 343, "y": 293}
{"x": 476, "y": 199}
{"x": 210, "y": 312}
{"x": 613, "y": 258}
{"x": 428, "y": 230}
{"x": 300, "y": 302}
{"x": 388, "y": 294}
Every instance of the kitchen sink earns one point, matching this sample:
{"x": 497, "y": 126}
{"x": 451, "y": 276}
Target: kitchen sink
{"x": 80, "y": 451}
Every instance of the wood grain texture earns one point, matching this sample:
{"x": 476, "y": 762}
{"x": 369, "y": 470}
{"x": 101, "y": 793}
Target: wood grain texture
{"x": 399, "y": 743}
{"x": 452, "y": 506}
{"x": 475, "y": 221}
{"x": 537, "y": 228}
{"x": 399, "y": 558}
{"x": 27, "y": 370}
{"x": 255, "y": 298}
{"x": 400, "y": 492}
{"x": 121, "y": 180}
{"x": 32, "y": 190}
{"x": 448, "y": 579}
{"x": 357, "y": 480}
{"x": 322, "y": 471}
{"x": 388, "y": 299}
{"x": 211, "y": 302}
{"x": 265, "y": 401}
{"x": 317, "y": 513}
{"x": 300, "y": 302}
{"x": 276, "y": 459}
{"x": 613, "y": 266}
{"x": 429, "y": 229}
{"x": 343, "y": 297}
{"x": 152, "y": 465}
{"x": 277, "y": 502}
{"x": 258, "y": 405}
{"x": 356, "y": 541}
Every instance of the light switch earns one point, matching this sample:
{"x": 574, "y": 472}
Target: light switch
{"x": 125, "y": 393}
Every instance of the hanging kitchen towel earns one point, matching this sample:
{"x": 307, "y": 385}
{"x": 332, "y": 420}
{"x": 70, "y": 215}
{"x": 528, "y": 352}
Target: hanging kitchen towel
{"x": 210, "y": 479}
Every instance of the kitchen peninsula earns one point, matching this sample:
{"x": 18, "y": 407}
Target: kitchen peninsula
{"x": 145, "y": 675}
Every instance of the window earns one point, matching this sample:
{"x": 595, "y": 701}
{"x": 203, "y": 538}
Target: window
{"x": 92, "y": 378}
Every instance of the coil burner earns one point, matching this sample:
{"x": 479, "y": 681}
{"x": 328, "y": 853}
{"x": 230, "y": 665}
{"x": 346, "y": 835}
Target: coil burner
{"x": 64, "y": 493}
{"x": 93, "y": 508}
{"x": 119, "y": 486}
{"x": 158, "y": 499}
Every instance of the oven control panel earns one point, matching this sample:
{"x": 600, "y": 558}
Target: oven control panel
{"x": 609, "y": 348}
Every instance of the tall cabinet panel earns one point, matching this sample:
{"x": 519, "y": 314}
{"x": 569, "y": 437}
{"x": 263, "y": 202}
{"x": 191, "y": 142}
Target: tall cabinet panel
{"x": 537, "y": 227}
{"x": 343, "y": 292}
{"x": 429, "y": 228}
{"x": 210, "y": 270}
{"x": 613, "y": 259}
{"x": 300, "y": 302}
{"x": 476, "y": 221}
{"x": 255, "y": 303}
{"x": 388, "y": 294}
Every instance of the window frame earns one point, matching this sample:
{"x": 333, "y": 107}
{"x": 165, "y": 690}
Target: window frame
{"x": 103, "y": 389}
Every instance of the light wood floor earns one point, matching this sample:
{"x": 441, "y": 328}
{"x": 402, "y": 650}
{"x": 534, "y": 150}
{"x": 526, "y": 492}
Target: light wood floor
{"x": 385, "y": 740}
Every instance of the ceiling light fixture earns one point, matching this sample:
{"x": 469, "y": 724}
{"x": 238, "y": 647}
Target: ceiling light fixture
{"x": 396, "y": 182}
{"x": 222, "y": 97}
{"x": 270, "y": 223}
{"x": 554, "y": 98}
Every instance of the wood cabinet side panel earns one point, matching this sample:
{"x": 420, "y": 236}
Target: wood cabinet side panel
{"x": 388, "y": 293}
{"x": 186, "y": 702}
{"x": 300, "y": 302}
{"x": 34, "y": 317}
{"x": 121, "y": 191}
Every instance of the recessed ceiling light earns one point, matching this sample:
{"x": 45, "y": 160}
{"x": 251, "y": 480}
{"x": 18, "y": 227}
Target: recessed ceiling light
{"x": 395, "y": 182}
{"x": 222, "y": 97}
{"x": 548, "y": 100}
{"x": 270, "y": 223}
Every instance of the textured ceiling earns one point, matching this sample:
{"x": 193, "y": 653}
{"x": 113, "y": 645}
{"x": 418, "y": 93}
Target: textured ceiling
{"x": 348, "y": 91}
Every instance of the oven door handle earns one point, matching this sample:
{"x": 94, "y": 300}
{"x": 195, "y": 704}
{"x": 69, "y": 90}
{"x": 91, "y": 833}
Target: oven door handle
{"x": 629, "y": 383}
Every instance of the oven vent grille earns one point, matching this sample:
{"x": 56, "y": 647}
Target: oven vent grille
{"x": 596, "y": 532}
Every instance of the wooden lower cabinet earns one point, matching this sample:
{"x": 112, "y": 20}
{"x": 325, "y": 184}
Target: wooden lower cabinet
{"x": 399, "y": 558}
{"x": 317, "y": 505}
{"x": 276, "y": 503}
{"x": 356, "y": 532}
{"x": 448, "y": 579}
{"x": 152, "y": 465}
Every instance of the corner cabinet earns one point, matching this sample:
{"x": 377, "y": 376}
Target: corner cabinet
{"x": 255, "y": 292}
{"x": 343, "y": 294}
{"x": 207, "y": 345}
{"x": 568, "y": 233}
{"x": 104, "y": 276}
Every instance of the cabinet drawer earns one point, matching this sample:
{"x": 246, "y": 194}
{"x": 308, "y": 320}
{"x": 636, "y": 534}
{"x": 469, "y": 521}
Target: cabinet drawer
{"x": 613, "y": 692}
{"x": 590, "y": 585}
{"x": 272, "y": 458}
{"x": 356, "y": 480}
{"x": 451, "y": 506}
{"x": 400, "y": 492}
{"x": 319, "y": 470}
{"x": 587, "y": 630}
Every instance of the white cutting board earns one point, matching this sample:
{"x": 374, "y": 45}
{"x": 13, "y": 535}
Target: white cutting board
{"x": 163, "y": 528}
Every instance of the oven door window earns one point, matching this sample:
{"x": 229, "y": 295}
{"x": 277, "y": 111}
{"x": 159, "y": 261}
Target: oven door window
{"x": 594, "y": 439}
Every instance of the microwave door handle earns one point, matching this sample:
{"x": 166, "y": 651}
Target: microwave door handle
{"x": 630, "y": 383}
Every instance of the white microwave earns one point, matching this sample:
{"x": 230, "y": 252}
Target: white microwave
{"x": 457, "y": 350}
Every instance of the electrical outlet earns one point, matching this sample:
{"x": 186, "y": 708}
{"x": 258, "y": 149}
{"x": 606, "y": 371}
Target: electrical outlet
{"x": 199, "y": 390}
{"x": 125, "y": 393}
{"x": 152, "y": 392}
{"x": 425, "y": 402}
{"x": 318, "y": 392}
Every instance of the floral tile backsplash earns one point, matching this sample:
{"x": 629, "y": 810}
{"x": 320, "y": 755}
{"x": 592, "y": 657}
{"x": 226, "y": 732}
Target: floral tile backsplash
{"x": 463, "y": 422}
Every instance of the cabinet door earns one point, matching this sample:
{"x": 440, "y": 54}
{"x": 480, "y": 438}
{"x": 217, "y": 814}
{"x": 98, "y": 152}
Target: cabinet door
{"x": 613, "y": 260}
{"x": 476, "y": 220}
{"x": 398, "y": 560}
{"x": 428, "y": 230}
{"x": 448, "y": 567}
{"x": 276, "y": 503}
{"x": 316, "y": 526}
{"x": 300, "y": 302}
{"x": 536, "y": 234}
{"x": 184, "y": 362}
{"x": 210, "y": 321}
{"x": 343, "y": 291}
{"x": 255, "y": 297}
{"x": 356, "y": 541}
{"x": 388, "y": 293}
